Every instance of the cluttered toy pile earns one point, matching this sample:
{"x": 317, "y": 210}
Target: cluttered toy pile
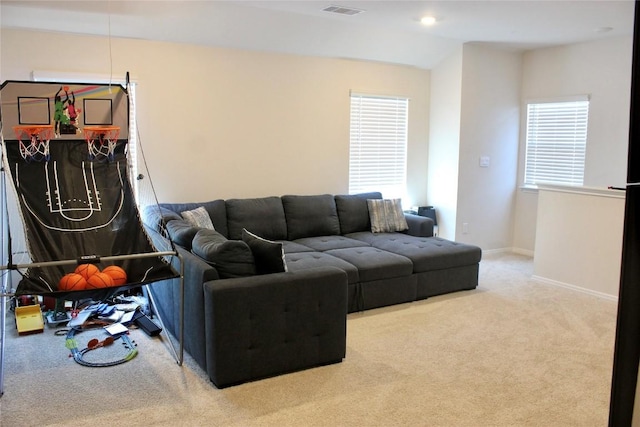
{"x": 108, "y": 323}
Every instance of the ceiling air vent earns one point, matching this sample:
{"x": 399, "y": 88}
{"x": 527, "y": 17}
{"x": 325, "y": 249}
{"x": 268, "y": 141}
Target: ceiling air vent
{"x": 342, "y": 10}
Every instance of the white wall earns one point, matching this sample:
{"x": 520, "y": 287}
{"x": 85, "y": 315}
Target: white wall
{"x": 444, "y": 142}
{"x": 489, "y": 127}
{"x": 222, "y": 123}
{"x": 475, "y": 112}
{"x": 579, "y": 239}
{"x": 603, "y": 70}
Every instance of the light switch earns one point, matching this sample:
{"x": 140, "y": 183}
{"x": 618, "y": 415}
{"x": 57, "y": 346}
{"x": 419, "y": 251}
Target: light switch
{"x": 484, "y": 161}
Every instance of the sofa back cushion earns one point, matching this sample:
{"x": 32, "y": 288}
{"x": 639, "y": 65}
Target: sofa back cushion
{"x": 309, "y": 216}
{"x": 215, "y": 208}
{"x": 263, "y": 216}
{"x": 353, "y": 211}
{"x": 181, "y": 232}
{"x": 154, "y": 216}
{"x": 232, "y": 258}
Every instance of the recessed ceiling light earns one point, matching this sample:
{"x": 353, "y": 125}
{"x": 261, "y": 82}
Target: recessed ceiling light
{"x": 428, "y": 20}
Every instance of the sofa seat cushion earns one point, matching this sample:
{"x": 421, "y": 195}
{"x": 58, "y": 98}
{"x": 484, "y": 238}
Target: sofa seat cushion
{"x": 305, "y": 260}
{"x": 326, "y": 243}
{"x": 375, "y": 264}
{"x": 263, "y": 216}
{"x": 291, "y": 247}
{"x": 309, "y": 216}
{"x": 426, "y": 253}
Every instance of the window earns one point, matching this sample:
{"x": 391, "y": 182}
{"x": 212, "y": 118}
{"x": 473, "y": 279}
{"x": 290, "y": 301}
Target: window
{"x": 378, "y": 145}
{"x": 556, "y": 142}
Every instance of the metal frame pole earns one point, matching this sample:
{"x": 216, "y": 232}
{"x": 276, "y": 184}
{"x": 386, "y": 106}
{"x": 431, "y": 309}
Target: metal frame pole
{"x": 179, "y": 355}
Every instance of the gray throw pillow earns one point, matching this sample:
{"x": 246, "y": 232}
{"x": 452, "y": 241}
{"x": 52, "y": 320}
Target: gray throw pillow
{"x": 198, "y": 217}
{"x": 386, "y": 215}
{"x": 232, "y": 258}
{"x": 268, "y": 255}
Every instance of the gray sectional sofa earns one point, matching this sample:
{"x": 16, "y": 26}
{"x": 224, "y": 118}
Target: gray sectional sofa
{"x": 267, "y": 291}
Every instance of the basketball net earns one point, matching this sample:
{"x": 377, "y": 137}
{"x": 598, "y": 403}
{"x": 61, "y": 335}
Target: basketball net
{"x": 38, "y": 137}
{"x": 101, "y": 141}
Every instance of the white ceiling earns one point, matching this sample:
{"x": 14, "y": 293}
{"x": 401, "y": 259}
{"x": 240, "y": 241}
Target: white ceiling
{"x": 387, "y": 31}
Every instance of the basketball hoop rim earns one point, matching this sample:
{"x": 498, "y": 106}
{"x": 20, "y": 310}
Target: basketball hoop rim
{"x": 92, "y": 133}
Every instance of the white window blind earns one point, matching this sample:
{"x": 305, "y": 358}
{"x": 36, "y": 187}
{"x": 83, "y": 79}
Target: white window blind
{"x": 556, "y": 142}
{"x": 378, "y": 145}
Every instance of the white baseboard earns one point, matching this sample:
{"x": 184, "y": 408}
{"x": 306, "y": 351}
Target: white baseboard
{"x": 552, "y": 282}
{"x": 508, "y": 251}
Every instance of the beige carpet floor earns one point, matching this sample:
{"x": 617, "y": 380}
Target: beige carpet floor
{"x": 513, "y": 352}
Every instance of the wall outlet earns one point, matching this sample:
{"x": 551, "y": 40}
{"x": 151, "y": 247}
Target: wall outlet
{"x": 465, "y": 227}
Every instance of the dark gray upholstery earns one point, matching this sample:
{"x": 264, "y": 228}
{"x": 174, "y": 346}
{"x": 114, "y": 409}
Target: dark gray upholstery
{"x": 241, "y": 329}
{"x": 438, "y": 282}
{"x": 275, "y": 323}
{"x": 419, "y": 226}
{"x": 291, "y": 247}
{"x": 309, "y": 216}
{"x": 325, "y": 243}
{"x": 262, "y": 216}
{"x": 384, "y": 292}
{"x": 353, "y": 211}
{"x": 374, "y": 264}
{"x": 426, "y": 253}
{"x": 267, "y": 254}
{"x": 232, "y": 258}
{"x": 299, "y": 261}
{"x": 181, "y": 232}
{"x": 167, "y": 298}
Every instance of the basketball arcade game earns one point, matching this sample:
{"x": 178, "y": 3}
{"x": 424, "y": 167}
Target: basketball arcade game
{"x": 63, "y": 153}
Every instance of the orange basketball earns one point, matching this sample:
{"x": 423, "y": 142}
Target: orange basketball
{"x": 118, "y": 275}
{"x": 99, "y": 280}
{"x": 87, "y": 270}
{"x": 72, "y": 282}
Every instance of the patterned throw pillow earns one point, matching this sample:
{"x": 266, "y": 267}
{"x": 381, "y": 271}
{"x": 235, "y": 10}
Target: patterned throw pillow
{"x": 268, "y": 255}
{"x": 386, "y": 215}
{"x": 198, "y": 217}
